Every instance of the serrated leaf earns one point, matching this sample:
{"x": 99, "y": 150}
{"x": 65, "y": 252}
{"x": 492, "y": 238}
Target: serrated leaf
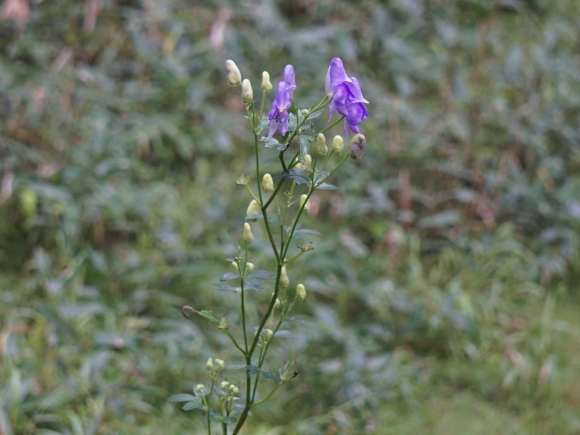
{"x": 270, "y": 142}
{"x": 327, "y": 186}
{"x": 271, "y": 376}
{"x": 226, "y": 287}
{"x": 291, "y": 123}
{"x": 313, "y": 115}
{"x": 228, "y": 276}
{"x": 299, "y": 176}
{"x": 194, "y": 404}
{"x": 209, "y": 315}
{"x": 295, "y": 319}
{"x": 253, "y": 370}
{"x": 252, "y": 284}
{"x": 307, "y": 231}
{"x": 304, "y": 142}
{"x": 262, "y": 274}
{"x": 182, "y": 397}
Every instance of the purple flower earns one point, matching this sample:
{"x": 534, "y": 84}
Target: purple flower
{"x": 279, "y": 113}
{"x": 346, "y": 96}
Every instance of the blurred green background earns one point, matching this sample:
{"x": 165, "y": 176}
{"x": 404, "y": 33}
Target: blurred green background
{"x": 443, "y": 297}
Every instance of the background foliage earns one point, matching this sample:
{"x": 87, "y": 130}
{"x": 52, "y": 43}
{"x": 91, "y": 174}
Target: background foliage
{"x": 450, "y": 254}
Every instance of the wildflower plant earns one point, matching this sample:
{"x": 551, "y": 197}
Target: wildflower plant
{"x": 276, "y": 203}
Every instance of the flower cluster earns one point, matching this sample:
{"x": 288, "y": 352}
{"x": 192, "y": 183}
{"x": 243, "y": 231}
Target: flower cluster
{"x": 344, "y": 92}
{"x": 279, "y": 113}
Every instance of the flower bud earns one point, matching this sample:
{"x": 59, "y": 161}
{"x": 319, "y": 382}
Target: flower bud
{"x": 304, "y": 202}
{"x": 305, "y": 112}
{"x": 266, "y": 85}
{"x": 308, "y": 160}
{"x": 224, "y": 385}
{"x": 199, "y": 388}
{"x": 284, "y": 280}
{"x": 337, "y": 144}
{"x": 253, "y": 208}
{"x": 220, "y": 363}
{"x": 247, "y": 236}
{"x": 209, "y": 364}
{"x": 267, "y": 183}
{"x": 300, "y": 292}
{"x": 357, "y": 145}
{"x": 269, "y": 334}
{"x": 233, "y": 73}
{"x": 277, "y": 303}
{"x": 249, "y": 266}
{"x": 320, "y": 145}
{"x": 235, "y": 390}
{"x": 235, "y": 265}
{"x": 247, "y": 92}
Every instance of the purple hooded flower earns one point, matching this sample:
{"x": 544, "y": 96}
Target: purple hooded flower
{"x": 346, "y": 95}
{"x": 279, "y": 113}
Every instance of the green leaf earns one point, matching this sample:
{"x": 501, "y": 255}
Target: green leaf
{"x": 194, "y": 404}
{"x": 283, "y": 333}
{"x": 313, "y": 115}
{"x": 307, "y": 231}
{"x": 271, "y": 376}
{"x": 262, "y": 274}
{"x": 326, "y": 186}
{"x": 228, "y": 276}
{"x": 304, "y": 142}
{"x": 183, "y": 397}
{"x": 252, "y": 284}
{"x": 212, "y": 317}
{"x": 222, "y": 286}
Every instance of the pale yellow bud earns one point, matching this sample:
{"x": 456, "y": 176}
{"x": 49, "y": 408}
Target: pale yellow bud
{"x": 233, "y": 389}
{"x": 220, "y": 363}
{"x": 300, "y": 292}
{"x": 337, "y": 144}
{"x": 305, "y": 112}
{"x": 199, "y": 388}
{"x": 304, "y": 202}
{"x": 300, "y": 166}
{"x": 224, "y": 385}
{"x": 247, "y": 92}
{"x": 235, "y": 265}
{"x": 247, "y": 236}
{"x": 233, "y": 73}
{"x": 277, "y": 303}
{"x": 250, "y": 266}
{"x": 269, "y": 334}
{"x": 320, "y": 145}
{"x": 267, "y": 183}
{"x": 236, "y": 391}
{"x": 284, "y": 280}
{"x": 209, "y": 364}
{"x": 253, "y": 208}
{"x": 266, "y": 84}
{"x": 308, "y": 160}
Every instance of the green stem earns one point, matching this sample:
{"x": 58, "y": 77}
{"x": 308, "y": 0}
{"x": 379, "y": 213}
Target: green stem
{"x": 265, "y": 399}
{"x": 332, "y": 125}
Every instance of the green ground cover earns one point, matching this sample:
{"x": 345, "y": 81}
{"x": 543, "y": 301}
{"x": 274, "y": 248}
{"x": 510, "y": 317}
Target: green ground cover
{"x": 443, "y": 295}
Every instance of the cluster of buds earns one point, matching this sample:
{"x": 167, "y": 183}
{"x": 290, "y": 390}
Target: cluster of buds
{"x": 265, "y": 337}
{"x": 249, "y": 265}
{"x": 234, "y": 78}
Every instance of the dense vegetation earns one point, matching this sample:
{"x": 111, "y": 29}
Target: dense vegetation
{"x": 447, "y": 255}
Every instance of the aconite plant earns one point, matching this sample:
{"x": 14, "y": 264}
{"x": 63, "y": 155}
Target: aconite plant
{"x": 277, "y": 203}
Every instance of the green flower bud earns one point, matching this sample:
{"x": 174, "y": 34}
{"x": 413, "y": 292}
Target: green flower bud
{"x": 304, "y": 202}
{"x": 220, "y": 363}
{"x": 267, "y": 183}
{"x": 233, "y": 73}
{"x": 266, "y": 85}
{"x": 209, "y": 364}
{"x": 320, "y": 145}
{"x": 199, "y": 388}
{"x": 235, "y": 390}
{"x": 300, "y": 292}
{"x": 247, "y": 236}
{"x": 269, "y": 334}
{"x": 253, "y": 208}
{"x": 224, "y": 385}
{"x": 305, "y": 112}
{"x": 284, "y": 280}
{"x": 277, "y": 303}
{"x": 357, "y": 145}
{"x": 337, "y": 145}
{"x": 250, "y": 266}
{"x": 247, "y": 92}
{"x": 235, "y": 265}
